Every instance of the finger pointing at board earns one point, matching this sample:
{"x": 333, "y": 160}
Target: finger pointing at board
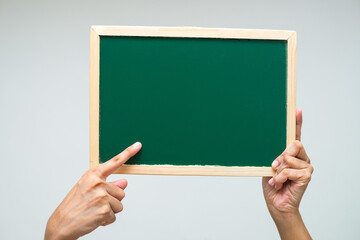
{"x": 92, "y": 202}
{"x": 113, "y": 164}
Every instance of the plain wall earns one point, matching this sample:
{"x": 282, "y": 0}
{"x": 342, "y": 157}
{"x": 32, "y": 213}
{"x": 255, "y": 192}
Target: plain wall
{"x": 44, "y": 120}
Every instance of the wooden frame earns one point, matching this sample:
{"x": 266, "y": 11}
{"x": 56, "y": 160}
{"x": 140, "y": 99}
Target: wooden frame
{"x": 191, "y": 32}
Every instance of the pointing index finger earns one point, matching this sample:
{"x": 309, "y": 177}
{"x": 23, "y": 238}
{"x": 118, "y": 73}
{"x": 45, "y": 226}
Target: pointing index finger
{"x": 113, "y": 164}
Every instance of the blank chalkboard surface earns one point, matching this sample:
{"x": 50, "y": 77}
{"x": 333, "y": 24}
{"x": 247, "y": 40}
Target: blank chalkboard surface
{"x": 201, "y": 101}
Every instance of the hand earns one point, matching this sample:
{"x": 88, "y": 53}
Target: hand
{"x": 91, "y": 202}
{"x": 283, "y": 192}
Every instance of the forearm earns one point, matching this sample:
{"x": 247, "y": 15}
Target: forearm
{"x": 291, "y": 226}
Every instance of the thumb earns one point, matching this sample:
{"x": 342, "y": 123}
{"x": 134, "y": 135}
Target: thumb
{"x": 122, "y": 183}
{"x": 299, "y": 121}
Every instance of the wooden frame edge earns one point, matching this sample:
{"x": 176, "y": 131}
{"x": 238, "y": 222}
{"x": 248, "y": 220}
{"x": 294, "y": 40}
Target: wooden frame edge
{"x": 94, "y": 97}
{"x": 97, "y": 31}
{"x": 197, "y": 32}
{"x": 196, "y": 170}
{"x": 291, "y": 89}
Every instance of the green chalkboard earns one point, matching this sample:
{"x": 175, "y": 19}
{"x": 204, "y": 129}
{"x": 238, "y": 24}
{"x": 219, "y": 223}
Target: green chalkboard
{"x": 193, "y": 101}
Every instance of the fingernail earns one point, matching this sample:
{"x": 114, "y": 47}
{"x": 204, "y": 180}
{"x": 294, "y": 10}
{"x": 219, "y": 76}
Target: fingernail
{"x": 136, "y": 145}
{"x": 275, "y": 164}
{"x": 271, "y": 182}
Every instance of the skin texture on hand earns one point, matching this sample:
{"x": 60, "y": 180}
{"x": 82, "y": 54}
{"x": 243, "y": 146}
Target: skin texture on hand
{"x": 92, "y": 202}
{"x": 283, "y": 192}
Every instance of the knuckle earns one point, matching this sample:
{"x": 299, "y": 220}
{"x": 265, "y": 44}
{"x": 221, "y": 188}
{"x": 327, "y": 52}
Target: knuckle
{"x": 87, "y": 174}
{"x": 96, "y": 182}
{"x": 122, "y": 194}
{"x": 110, "y": 218}
{"x": 88, "y": 182}
{"x": 298, "y": 144}
{"x": 307, "y": 175}
{"x": 127, "y": 152}
{"x": 102, "y": 198}
{"x": 280, "y": 169}
{"x": 285, "y": 172}
{"x": 121, "y": 207}
{"x": 105, "y": 210}
{"x": 287, "y": 160}
{"x": 276, "y": 178}
{"x": 117, "y": 157}
{"x": 311, "y": 167}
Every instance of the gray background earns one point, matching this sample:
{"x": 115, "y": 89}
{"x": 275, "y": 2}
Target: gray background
{"x": 44, "y": 127}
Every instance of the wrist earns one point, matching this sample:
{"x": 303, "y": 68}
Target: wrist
{"x": 285, "y": 216}
{"x": 282, "y": 212}
{"x": 290, "y": 225}
{"x": 54, "y": 231}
